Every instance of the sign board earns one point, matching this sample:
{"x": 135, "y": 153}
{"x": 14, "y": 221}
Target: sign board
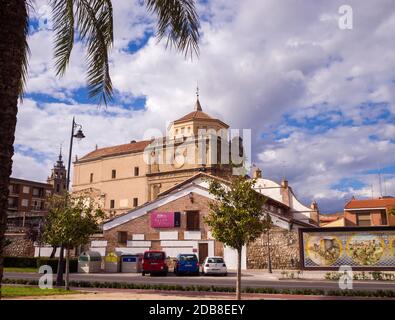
{"x": 362, "y": 248}
{"x": 163, "y": 220}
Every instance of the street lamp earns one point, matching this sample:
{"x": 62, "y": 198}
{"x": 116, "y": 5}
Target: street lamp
{"x": 79, "y": 136}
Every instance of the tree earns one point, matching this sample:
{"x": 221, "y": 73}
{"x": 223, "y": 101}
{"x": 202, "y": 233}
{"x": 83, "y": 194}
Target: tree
{"x": 70, "y": 222}
{"x": 93, "y": 21}
{"x": 236, "y": 216}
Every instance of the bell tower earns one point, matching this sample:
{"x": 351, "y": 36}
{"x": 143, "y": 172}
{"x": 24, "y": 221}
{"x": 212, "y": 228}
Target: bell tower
{"x": 58, "y": 176}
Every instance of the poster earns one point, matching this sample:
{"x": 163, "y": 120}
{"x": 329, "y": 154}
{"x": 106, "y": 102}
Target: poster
{"x": 325, "y": 249}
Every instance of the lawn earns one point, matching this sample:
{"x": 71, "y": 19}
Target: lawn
{"x": 33, "y": 270}
{"x": 24, "y": 291}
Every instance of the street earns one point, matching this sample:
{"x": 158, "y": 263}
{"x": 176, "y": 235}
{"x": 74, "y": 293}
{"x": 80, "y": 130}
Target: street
{"x": 252, "y": 280}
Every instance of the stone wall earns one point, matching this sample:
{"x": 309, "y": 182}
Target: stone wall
{"x": 19, "y": 246}
{"x": 284, "y": 249}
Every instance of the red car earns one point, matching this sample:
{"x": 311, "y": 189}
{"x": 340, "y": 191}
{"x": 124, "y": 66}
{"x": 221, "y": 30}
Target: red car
{"x": 154, "y": 262}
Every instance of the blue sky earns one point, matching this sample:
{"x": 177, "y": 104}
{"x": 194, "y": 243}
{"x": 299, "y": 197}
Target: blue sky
{"x": 320, "y": 100}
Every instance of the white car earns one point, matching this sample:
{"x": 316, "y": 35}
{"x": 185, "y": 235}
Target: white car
{"x": 214, "y": 265}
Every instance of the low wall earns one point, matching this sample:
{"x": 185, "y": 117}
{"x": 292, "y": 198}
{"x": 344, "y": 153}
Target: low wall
{"x": 19, "y": 246}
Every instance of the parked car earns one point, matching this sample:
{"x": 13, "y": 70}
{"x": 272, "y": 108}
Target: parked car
{"x": 187, "y": 263}
{"x": 154, "y": 262}
{"x": 215, "y": 265}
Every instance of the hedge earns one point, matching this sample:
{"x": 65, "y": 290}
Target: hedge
{"x": 20, "y": 262}
{"x": 195, "y": 288}
{"x": 30, "y": 262}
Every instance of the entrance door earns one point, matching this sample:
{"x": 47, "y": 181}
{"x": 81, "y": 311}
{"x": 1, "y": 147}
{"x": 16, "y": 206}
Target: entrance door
{"x": 203, "y": 252}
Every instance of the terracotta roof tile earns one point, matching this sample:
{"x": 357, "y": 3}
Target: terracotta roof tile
{"x": 133, "y": 147}
{"x": 370, "y": 203}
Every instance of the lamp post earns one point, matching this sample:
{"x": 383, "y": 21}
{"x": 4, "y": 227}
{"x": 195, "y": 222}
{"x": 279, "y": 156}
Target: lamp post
{"x": 77, "y": 135}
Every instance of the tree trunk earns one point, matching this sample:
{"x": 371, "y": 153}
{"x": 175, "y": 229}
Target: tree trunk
{"x": 59, "y": 274}
{"x": 13, "y": 20}
{"x": 238, "y": 281}
{"x": 53, "y": 252}
{"x": 67, "y": 268}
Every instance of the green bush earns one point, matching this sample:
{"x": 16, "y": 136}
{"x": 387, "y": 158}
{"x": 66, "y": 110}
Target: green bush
{"x": 19, "y": 262}
{"x": 53, "y": 263}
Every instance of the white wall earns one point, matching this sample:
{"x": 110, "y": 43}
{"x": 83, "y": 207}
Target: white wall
{"x": 230, "y": 257}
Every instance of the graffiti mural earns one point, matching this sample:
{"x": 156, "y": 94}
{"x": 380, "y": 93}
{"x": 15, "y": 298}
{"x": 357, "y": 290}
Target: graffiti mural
{"x": 361, "y": 248}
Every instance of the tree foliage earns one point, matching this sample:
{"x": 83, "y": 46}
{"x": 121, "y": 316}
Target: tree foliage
{"x": 236, "y": 216}
{"x": 71, "y": 221}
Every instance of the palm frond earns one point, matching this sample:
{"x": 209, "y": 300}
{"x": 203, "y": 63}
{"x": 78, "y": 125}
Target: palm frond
{"x": 25, "y": 57}
{"x": 63, "y": 27}
{"x": 95, "y": 26}
{"x": 178, "y": 20}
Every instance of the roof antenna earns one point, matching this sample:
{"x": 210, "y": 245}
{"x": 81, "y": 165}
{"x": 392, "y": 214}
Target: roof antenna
{"x": 197, "y": 90}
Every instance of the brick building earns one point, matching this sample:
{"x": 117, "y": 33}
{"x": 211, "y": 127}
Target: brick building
{"x": 370, "y": 212}
{"x": 174, "y": 222}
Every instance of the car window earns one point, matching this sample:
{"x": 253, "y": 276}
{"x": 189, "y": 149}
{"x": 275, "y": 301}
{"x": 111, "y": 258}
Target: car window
{"x": 191, "y": 257}
{"x": 215, "y": 260}
{"x": 154, "y": 255}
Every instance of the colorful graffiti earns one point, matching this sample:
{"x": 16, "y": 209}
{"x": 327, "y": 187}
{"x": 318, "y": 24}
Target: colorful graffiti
{"x": 353, "y": 248}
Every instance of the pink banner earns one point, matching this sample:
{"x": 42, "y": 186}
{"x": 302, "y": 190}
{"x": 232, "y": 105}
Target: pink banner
{"x": 162, "y": 220}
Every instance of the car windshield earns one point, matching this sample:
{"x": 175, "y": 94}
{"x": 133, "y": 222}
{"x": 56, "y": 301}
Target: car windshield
{"x": 191, "y": 257}
{"x": 215, "y": 260}
{"x": 154, "y": 255}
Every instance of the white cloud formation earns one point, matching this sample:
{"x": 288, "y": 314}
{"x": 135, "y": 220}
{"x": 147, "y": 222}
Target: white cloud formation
{"x": 260, "y": 60}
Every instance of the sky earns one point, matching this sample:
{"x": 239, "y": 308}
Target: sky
{"x": 319, "y": 99}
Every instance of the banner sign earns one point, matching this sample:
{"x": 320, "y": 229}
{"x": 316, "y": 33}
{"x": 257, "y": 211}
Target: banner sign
{"x": 363, "y": 248}
{"x": 162, "y": 219}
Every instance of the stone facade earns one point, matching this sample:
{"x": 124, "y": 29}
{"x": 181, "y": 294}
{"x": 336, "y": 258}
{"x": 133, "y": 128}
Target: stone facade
{"x": 19, "y": 246}
{"x": 284, "y": 249}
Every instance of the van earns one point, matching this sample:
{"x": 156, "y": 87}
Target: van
{"x": 154, "y": 262}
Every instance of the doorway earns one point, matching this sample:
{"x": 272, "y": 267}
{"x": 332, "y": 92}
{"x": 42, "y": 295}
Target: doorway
{"x": 203, "y": 252}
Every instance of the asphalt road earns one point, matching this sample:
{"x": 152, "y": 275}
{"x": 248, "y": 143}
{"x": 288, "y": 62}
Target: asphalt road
{"x": 247, "y": 281}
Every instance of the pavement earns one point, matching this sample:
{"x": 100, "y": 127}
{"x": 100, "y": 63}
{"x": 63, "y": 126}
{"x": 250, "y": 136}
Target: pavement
{"x": 250, "y": 278}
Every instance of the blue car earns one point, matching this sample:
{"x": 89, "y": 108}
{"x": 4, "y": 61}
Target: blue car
{"x": 187, "y": 264}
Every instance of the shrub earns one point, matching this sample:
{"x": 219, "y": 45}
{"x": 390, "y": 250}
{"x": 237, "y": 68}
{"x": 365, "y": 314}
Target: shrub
{"x": 53, "y": 263}
{"x": 19, "y": 262}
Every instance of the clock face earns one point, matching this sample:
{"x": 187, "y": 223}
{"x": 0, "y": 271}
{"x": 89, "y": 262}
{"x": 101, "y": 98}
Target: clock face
{"x": 179, "y": 158}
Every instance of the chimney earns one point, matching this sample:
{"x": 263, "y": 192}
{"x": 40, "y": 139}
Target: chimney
{"x": 257, "y": 174}
{"x": 285, "y": 194}
{"x": 314, "y": 215}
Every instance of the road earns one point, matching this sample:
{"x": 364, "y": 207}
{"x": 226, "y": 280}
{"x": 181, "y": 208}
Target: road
{"x": 248, "y": 280}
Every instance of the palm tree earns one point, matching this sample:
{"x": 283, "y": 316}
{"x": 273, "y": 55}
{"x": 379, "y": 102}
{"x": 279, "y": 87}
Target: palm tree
{"x": 92, "y": 22}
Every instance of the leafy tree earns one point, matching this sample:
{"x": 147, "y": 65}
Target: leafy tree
{"x": 236, "y": 217}
{"x": 70, "y": 222}
{"x": 93, "y": 21}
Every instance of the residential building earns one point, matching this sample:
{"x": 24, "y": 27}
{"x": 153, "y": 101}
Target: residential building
{"x": 332, "y": 220}
{"x": 26, "y": 203}
{"x": 370, "y": 212}
{"x": 126, "y": 176}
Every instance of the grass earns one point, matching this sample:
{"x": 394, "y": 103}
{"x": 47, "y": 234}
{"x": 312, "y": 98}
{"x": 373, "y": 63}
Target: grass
{"x": 24, "y": 291}
{"x": 33, "y": 270}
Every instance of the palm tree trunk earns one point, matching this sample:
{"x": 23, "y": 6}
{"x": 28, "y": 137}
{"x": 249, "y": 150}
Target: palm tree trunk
{"x": 238, "y": 281}
{"x": 13, "y": 19}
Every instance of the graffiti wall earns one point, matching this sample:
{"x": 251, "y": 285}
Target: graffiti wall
{"x": 362, "y": 248}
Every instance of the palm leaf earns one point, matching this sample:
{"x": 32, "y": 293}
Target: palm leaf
{"x": 178, "y": 20}
{"x": 25, "y": 57}
{"x": 93, "y": 19}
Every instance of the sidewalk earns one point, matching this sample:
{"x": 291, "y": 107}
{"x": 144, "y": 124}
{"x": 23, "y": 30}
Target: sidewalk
{"x": 278, "y": 274}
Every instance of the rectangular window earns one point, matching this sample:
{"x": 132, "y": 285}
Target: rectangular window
{"x": 112, "y": 204}
{"x": 122, "y": 237}
{"x": 26, "y": 189}
{"x": 113, "y": 174}
{"x": 25, "y": 203}
{"x": 363, "y": 220}
{"x": 193, "y": 220}
{"x": 136, "y": 171}
{"x": 135, "y": 202}
{"x": 36, "y": 192}
{"x": 91, "y": 178}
